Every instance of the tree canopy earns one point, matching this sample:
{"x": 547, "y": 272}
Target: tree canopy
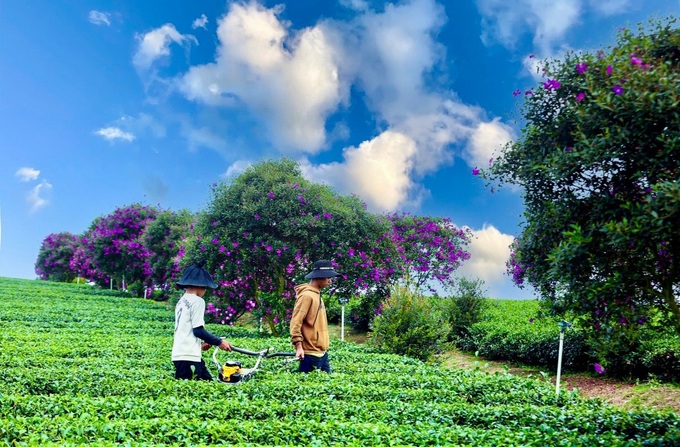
{"x": 598, "y": 164}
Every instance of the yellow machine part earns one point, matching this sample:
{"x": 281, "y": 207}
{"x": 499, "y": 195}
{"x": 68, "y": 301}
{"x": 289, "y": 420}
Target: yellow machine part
{"x": 228, "y": 370}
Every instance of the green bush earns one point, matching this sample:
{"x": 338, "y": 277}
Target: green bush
{"x": 465, "y": 308}
{"x": 411, "y": 325}
{"x": 518, "y": 331}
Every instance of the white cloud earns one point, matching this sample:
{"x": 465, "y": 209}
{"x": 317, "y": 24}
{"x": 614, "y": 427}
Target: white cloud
{"x": 114, "y": 133}
{"x": 489, "y": 251}
{"x": 487, "y": 139}
{"x": 379, "y": 171}
{"x": 99, "y": 18}
{"x": 35, "y": 197}
{"x": 156, "y": 44}
{"x": 200, "y": 22}
{"x": 611, "y": 7}
{"x": 290, "y": 82}
{"x": 27, "y": 174}
{"x": 237, "y": 168}
{"x": 547, "y": 20}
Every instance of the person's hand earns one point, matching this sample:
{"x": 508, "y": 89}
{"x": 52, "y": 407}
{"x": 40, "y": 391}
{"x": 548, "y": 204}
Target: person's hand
{"x": 205, "y": 346}
{"x": 299, "y": 352}
{"x": 225, "y": 346}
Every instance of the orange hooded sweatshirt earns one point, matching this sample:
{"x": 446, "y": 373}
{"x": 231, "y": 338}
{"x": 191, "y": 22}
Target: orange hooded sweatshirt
{"x": 309, "y": 324}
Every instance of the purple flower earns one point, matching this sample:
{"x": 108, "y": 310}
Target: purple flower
{"x": 580, "y": 96}
{"x": 270, "y": 195}
{"x": 551, "y": 84}
{"x": 531, "y": 320}
{"x": 609, "y": 70}
{"x": 475, "y": 171}
{"x": 581, "y": 67}
{"x": 617, "y": 90}
{"x": 517, "y": 92}
{"x": 599, "y": 369}
{"x": 569, "y": 148}
{"x": 634, "y": 60}
{"x": 257, "y": 217}
{"x": 529, "y": 93}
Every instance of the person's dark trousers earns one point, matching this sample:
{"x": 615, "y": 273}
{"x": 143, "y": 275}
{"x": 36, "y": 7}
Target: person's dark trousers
{"x": 311, "y": 362}
{"x": 183, "y": 370}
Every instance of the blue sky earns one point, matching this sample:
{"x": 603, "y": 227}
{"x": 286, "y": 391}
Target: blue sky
{"x": 108, "y": 103}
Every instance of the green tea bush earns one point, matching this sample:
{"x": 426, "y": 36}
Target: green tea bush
{"x": 411, "y": 325}
{"x": 83, "y": 369}
{"x": 517, "y": 331}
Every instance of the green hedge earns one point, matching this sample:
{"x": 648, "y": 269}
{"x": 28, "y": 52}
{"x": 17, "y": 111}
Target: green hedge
{"x": 518, "y": 331}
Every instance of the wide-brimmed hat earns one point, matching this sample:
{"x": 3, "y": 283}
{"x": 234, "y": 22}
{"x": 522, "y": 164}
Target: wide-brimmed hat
{"x": 197, "y": 276}
{"x": 322, "y": 269}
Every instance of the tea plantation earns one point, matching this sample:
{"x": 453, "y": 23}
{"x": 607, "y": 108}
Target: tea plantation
{"x": 83, "y": 366}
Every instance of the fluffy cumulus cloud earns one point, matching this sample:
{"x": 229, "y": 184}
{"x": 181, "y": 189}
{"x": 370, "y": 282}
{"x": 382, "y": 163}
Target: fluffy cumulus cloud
{"x": 114, "y": 134}
{"x": 379, "y": 171}
{"x": 292, "y": 81}
{"x": 289, "y": 81}
{"x": 611, "y": 7}
{"x": 489, "y": 251}
{"x": 99, "y": 18}
{"x": 27, "y": 174}
{"x": 156, "y": 44}
{"x": 486, "y": 141}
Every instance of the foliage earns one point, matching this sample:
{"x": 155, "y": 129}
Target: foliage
{"x": 165, "y": 237}
{"x": 465, "y": 307}
{"x": 108, "y": 381}
{"x": 411, "y": 325}
{"x": 598, "y": 163}
{"x": 114, "y": 248}
{"x": 430, "y": 248}
{"x": 520, "y": 331}
{"x": 264, "y": 229}
{"x": 55, "y": 256}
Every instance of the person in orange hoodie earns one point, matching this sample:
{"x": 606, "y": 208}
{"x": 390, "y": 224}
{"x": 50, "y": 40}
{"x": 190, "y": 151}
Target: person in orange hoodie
{"x": 309, "y": 325}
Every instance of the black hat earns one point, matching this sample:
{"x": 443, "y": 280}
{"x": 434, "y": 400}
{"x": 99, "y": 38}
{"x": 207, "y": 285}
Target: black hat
{"x": 197, "y": 276}
{"x": 322, "y": 269}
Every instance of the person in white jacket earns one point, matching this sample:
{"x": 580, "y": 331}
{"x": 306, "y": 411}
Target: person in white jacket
{"x": 191, "y": 337}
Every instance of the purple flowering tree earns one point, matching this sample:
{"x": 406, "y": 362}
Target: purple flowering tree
{"x": 113, "y": 247}
{"x": 430, "y": 249}
{"x": 598, "y": 162}
{"x": 54, "y": 257}
{"x": 264, "y": 229}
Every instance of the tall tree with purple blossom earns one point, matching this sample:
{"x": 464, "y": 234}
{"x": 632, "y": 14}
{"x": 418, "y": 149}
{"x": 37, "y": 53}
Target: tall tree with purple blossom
{"x": 55, "y": 255}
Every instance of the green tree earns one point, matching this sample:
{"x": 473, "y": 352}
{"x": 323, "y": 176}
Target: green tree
{"x": 598, "y": 163}
{"x": 264, "y": 229}
{"x": 166, "y": 237}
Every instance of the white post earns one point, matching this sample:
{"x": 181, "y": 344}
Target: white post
{"x": 111, "y": 283}
{"x": 559, "y": 364}
{"x": 342, "y": 324}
